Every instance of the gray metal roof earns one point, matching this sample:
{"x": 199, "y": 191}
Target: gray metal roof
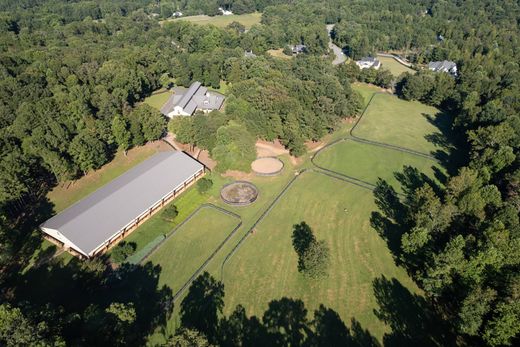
{"x": 368, "y": 59}
{"x": 197, "y": 96}
{"x": 444, "y": 65}
{"x": 189, "y": 94}
{"x": 100, "y": 216}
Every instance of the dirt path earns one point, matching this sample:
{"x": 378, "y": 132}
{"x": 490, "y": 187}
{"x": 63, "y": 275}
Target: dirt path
{"x": 270, "y": 149}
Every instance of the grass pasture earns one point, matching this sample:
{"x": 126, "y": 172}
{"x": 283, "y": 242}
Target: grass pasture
{"x": 247, "y": 19}
{"x": 158, "y": 99}
{"x": 408, "y": 124}
{"x": 368, "y": 162}
{"x": 394, "y": 66}
{"x": 192, "y": 243}
{"x": 264, "y": 268}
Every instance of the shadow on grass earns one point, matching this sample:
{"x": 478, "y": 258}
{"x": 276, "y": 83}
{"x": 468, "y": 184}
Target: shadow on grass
{"x": 285, "y": 322}
{"x": 410, "y": 316}
{"x": 452, "y": 147}
{"x": 77, "y": 297}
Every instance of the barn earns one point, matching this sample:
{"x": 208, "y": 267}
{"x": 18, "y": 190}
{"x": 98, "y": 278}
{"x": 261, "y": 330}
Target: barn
{"x": 94, "y": 224}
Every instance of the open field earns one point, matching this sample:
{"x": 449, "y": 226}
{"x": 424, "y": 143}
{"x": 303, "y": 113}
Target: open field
{"x": 247, "y": 19}
{"x": 394, "y": 66}
{"x": 189, "y": 247}
{"x": 278, "y": 53}
{"x": 408, "y": 124}
{"x": 366, "y": 91}
{"x": 368, "y": 162}
{"x": 66, "y": 194}
{"x": 158, "y": 99}
{"x": 264, "y": 268}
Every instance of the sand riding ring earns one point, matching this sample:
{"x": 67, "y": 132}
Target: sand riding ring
{"x": 267, "y": 166}
{"x": 239, "y": 193}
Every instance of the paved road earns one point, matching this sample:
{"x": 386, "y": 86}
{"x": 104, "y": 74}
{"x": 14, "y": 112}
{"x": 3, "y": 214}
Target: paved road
{"x": 340, "y": 56}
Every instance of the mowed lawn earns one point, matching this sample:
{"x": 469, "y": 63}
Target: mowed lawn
{"x": 366, "y": 91}
{"x": 265, "y": 267}
{"x": 394, "y": 66}
{"x": 368, "y": 162}
{"x": 158, "y": 99}
{"x": 247, "y": 19}
{"x": 408, "y": 124}
{"x": 189, "y": 247}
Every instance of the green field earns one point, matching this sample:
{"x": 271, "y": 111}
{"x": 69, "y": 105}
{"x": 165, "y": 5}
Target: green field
{"x": 264, "y": 268}
{"x": 248, "y": 19}
{"x": 366, "y": 91}
{"x": 368, "y": 163}
{"x": 158, "y": 99}
{"x": 394, "y": 66}
{"x": 408, "y": 124}
{"x": 191, "y": 244}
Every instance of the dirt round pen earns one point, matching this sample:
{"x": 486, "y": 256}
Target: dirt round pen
{"x": 267, "y": 166}
{"x": 239, "y": 193}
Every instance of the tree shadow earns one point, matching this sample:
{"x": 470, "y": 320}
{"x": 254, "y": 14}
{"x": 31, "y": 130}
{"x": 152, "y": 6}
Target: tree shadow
{"x": 75, "y": 298}
{"x": 410, "y": 316}
{"x": 284, "y": 323}
{"x": 203, "y": 304}
{"x": 411, "y": 179}
{"x": 390, "y": 232}
{"x": 452, "y": 149}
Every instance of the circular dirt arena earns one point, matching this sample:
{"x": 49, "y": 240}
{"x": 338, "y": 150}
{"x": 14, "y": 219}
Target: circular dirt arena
{"x": 267, "y": 166}
{"x": 239, "y": 193}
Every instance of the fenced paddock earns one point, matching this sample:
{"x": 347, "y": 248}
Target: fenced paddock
{"x": 187, "y": 249}
{"x": 267, "y": 166}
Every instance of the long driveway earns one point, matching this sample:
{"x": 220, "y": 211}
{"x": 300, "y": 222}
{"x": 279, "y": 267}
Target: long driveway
{"x": 340, "y": 56}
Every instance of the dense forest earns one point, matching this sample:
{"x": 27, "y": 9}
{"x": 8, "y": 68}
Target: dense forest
{"x": 74, "y": 73}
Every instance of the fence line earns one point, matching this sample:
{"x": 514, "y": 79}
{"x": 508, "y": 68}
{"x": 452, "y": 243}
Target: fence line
{"x": 382, "y": 144}
{"x": 212, "y": 255}
{"x": 273, "y": 203}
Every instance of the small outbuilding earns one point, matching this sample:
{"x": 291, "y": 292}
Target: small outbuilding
{"x": 94, "y": 224}
{"x": 297, "y": 49}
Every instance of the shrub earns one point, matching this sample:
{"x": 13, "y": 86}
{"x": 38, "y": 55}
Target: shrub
{"x": 204, "y": 185}
{"x": 122, "y": 251}
{"x": 169, "y": 213}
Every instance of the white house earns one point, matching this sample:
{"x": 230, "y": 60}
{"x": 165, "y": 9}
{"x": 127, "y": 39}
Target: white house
{"x": 368, "y": 62}
{"x": 225, "y": 12}
{"x": 443, "y": 66}
{"x": 185, "y": 101}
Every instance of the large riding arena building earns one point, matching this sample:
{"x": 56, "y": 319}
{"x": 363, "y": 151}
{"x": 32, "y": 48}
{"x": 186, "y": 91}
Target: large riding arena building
{"x": 94, "y": 224}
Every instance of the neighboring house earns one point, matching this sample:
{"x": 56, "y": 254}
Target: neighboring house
{"x": 249, "y": 54}
{"x": 185, "y": 101}
{"x": 297, "y": 49}
{"x": 368, "y": 62}
{"x": 97, "y": 222}
{"x": 225, "y": 12}
{"x": 443, "y": 66}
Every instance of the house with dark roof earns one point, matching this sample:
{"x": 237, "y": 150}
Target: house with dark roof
{"x": 185, "y": 101}
{"x": 368, "y": 62}
{"x": 443, "y": 66}
{"x": 297, "y": 49}
{"x": 92, "y": 225}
